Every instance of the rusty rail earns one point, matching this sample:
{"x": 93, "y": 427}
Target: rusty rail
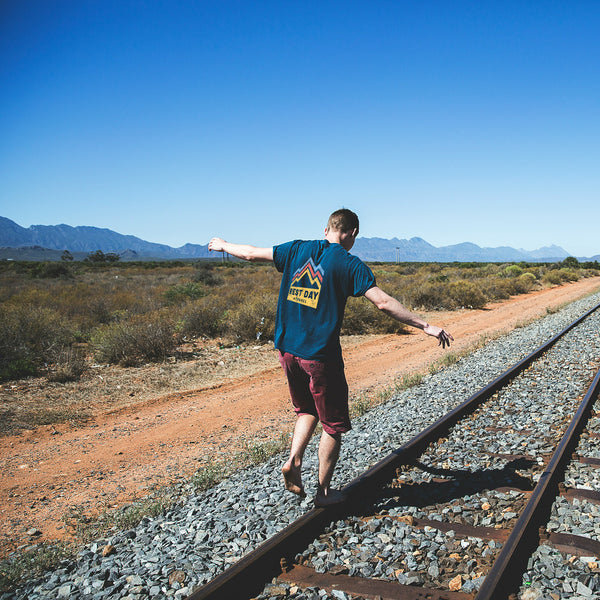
{"x": 500, "y": 581}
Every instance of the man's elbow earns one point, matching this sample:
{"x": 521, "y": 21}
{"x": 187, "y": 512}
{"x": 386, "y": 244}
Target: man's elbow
{"x": 382, "y": 304}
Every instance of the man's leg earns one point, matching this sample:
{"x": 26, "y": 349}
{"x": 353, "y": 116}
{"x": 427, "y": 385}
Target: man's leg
{"x": 329, "y": 452}
{"x": 292, "y": 469}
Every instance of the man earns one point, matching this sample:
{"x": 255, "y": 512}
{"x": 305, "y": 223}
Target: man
{"x": 318, "y": 276}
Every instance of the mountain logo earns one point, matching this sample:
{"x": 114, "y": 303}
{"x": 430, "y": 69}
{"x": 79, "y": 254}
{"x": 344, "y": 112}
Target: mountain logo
{"x": 306, "y": 285}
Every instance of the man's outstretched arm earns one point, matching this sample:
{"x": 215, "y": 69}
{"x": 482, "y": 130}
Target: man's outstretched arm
{"x": 390, "y": 306}
{"x": 244, "y": 251}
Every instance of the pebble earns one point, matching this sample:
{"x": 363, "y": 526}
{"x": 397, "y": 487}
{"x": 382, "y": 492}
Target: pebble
{"x": 208, "y": 532}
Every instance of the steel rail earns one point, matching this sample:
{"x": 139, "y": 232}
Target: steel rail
{"x": 500, "y": 581}
{"x": 252, "y": 571}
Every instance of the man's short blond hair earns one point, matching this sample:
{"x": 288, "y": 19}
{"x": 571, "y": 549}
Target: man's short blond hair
{"x": 343, "y": 220}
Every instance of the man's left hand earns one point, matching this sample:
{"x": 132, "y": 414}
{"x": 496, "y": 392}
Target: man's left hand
{"x": 443, "y": 337}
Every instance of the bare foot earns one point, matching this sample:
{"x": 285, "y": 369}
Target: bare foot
{"x": 330, "y": 498}
{"x": 293, "y": 479}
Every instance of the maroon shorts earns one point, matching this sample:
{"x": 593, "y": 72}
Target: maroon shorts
{"x": 319, "y": 389}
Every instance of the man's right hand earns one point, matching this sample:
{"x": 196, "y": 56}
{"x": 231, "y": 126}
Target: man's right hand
{"x": 216, "y": 245}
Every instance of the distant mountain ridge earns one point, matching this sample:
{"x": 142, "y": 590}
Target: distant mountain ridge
{"x": 417, "y": 249}
{"x": 89, "y": 239}
{"x": 85, "y": 239}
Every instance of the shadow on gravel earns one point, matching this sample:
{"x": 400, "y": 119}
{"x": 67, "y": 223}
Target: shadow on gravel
{"x": 457, "y": 484}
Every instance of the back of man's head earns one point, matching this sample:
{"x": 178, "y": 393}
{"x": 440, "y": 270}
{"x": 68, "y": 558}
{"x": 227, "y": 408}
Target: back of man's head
{"x": 343, "y": 220}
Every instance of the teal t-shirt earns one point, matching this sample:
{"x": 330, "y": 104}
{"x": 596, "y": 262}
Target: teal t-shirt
{"x": 318, "y": 277}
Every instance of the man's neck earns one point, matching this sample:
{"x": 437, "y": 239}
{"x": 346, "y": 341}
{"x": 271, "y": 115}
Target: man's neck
{"x": 344, "y": 239}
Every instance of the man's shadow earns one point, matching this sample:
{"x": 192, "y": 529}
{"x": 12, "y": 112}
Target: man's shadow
{"x": 457, "y": 484}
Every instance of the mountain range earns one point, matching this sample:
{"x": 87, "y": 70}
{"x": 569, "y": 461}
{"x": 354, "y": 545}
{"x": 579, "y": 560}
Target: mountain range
{"x": 51, "y": 240}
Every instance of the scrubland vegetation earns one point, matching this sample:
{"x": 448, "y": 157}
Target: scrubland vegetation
{"x": 56, "y": 317}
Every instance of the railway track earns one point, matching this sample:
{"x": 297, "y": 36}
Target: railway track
{"x": 433, "y": 521}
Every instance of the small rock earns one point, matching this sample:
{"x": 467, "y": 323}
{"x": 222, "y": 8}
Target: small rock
{"x": 532, "y": 594}
{"x": 177, "y": 577}
{"x": 455, "y": 584}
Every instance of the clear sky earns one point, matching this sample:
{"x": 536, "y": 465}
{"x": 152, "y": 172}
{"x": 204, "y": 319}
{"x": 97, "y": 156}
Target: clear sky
{"x": 176, "y": 121}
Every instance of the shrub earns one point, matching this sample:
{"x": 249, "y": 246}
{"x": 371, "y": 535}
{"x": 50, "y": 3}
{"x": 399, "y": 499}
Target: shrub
{"x": 203, "y": 318}
{"x": 525, "y": 283}
{"x": 360, "y": 317}
{"x": 513, "y": 271}
{"x": 408, "y": 381}
{"x": 253, "y": 320}
{"x": 54, "y": 270}
{"x": 257, "y": 452}
{"x": 496, "y": 289}
{"x": 69, "y": 366}
{"x": 551, "y": 278}
{"x": 558, "y": 276}
{"x": 150, "y": 337}
{"x": 426, "y": 296}
{"x": 30, "y": 337}
{"x": 466, "y": 294}
{"x": 183, "y": 292}
{"x": 205, "y": 274}
{"x": 568, "y": 275}
{"x": 208, "y": 476}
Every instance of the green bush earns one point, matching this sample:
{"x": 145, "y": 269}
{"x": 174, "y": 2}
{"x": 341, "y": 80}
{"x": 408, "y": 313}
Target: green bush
{"x": 513, "y": 271}
{"x": 184, "y": 291}
{"x": 570, "y": 262}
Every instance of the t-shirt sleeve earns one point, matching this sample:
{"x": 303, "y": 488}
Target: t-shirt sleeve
{"x": 281, "y": 254}
{"x": 363, "y": 278}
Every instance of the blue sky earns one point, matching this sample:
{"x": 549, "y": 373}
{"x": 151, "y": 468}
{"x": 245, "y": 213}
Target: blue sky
{"x": 176, "y": 121}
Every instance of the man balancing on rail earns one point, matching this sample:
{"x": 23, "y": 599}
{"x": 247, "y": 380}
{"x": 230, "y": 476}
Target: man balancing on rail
{"x": 318, "y": 277}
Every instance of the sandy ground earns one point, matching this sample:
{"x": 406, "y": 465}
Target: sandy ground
{"x": 121, "y": 455}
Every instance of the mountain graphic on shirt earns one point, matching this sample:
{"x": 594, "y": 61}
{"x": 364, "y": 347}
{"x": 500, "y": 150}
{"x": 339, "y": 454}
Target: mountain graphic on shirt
{"x": 305, "y": 287}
